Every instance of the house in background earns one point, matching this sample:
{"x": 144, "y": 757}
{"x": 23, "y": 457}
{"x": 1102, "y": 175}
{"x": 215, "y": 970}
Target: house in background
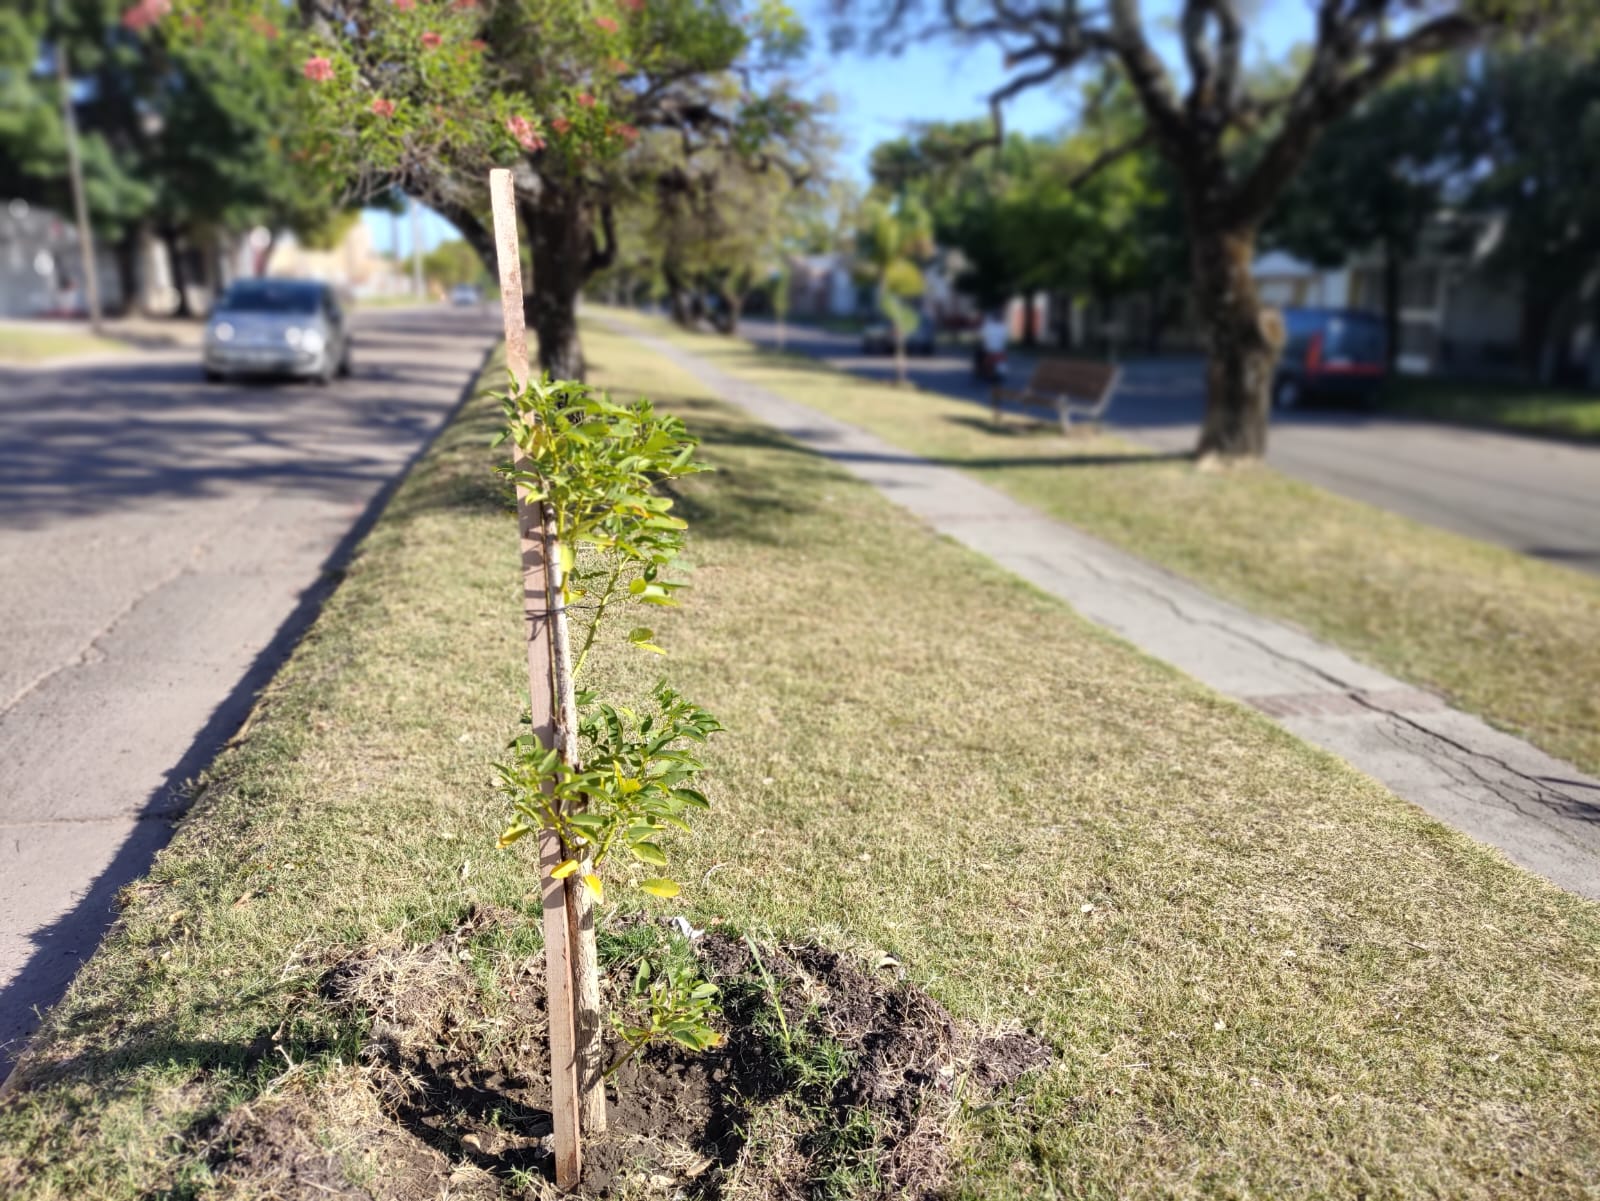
{"x": 823, "y": 285}
{"x": 1455, "y": 317}
{"x": 41, "y": 266}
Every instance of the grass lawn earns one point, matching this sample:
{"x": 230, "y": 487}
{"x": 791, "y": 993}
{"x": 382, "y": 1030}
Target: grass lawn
{"x": 1500, "y": 634}
{"x": 29, "y": 346}
{"x": 1514, "y": 406}
{"x": 1262, "y": 975}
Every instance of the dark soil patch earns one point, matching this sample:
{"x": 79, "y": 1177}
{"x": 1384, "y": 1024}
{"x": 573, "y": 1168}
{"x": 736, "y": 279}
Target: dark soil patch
{"x": 848, "y": 1095}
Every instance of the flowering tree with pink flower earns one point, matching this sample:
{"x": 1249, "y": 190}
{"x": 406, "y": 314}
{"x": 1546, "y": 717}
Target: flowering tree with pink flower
{"x": 424, "y": 96}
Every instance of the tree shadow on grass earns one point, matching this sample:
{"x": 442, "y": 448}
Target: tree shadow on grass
{"x": 741, "y": 500}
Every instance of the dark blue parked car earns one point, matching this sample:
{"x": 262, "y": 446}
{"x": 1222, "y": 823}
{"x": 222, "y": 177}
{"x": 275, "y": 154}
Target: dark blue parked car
{"x": 1330, "y": 355}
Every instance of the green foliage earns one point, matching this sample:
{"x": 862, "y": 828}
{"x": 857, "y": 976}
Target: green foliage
{"x": 671, "y": 1002}
{"x": 181, "y": 120}
{"x": 429, "y": 95}
{"x": 1024, "y": 219}
{"x": 892, "y": 239}
{"x": 635, "y": 785}
{"x": 719, "y": 219}
{"x": 1532, "y": 131}
{"x": 596, "y": 466}
{"x": 453, "y": 263}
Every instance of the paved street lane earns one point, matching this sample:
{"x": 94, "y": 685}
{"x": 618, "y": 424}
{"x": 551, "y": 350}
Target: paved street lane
{"x": 1536, "y": 496}
{"x": 162, "y": 543}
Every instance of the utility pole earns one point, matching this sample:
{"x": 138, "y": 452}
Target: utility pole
{"x": 80, "y": 205}
{"x": 416, "y": 249}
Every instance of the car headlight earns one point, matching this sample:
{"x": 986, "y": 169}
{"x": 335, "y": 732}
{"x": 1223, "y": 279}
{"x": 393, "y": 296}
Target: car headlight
{"x": 311, "y": 341}
{"x": 222, "y": 332}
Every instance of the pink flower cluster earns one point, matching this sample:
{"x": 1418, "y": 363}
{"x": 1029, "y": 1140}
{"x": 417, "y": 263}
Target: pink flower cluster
{"x": 560, "y": 124}
{"x": 145, "y": 14}
{"x": 405, "y": 5}
{"x": 431, "y": 40}
{"x": 609, "y": 24}
{"x": 626, "y": 132}
{"x": 383, "y": 108}
{"x": 586, "y": 99}
{"x": 522, "y": 129}
{"x": 466, "y": 5}
{"x": 317, "y": 70}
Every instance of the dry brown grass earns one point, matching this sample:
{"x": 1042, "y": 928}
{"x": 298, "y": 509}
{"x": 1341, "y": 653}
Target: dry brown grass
{"x": 1500, "y": 634}
{"x": 1262, "y": 975}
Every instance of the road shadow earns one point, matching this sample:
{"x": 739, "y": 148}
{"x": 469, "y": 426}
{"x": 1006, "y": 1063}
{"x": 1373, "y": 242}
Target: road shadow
{"x": 135, "y": 431}
{"x": 61, "y": 946}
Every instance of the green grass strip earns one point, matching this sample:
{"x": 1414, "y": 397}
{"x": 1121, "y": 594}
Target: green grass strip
{"x": 1262, "y": 974}
{"x": 1499, "y": 634}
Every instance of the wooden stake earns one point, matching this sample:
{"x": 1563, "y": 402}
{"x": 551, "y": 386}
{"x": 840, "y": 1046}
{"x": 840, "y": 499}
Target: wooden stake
{"x": 540, "y": 603}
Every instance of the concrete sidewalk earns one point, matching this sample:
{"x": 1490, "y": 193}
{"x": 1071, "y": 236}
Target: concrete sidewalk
{"x": 1543, "y": 813}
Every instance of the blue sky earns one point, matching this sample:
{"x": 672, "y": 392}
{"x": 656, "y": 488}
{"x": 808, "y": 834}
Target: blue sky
{"x": 879, "y": 96}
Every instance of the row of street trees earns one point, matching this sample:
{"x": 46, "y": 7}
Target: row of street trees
{"x": 713, "y": 224}
{"x": 424, "y": 96}
{"x": 1027, "y": 215}
{"x": 1500, "y": 147}
{"x": 180, "y": 138}
{"x": 218, "y": 115}
{"x": 1232, "y": 141}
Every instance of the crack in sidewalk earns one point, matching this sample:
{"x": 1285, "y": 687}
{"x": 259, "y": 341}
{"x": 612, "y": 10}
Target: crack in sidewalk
{"x": 92, "y": 649}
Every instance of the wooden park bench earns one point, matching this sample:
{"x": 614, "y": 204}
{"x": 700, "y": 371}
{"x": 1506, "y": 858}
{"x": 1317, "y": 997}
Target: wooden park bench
{"x": 1065, "y": 387}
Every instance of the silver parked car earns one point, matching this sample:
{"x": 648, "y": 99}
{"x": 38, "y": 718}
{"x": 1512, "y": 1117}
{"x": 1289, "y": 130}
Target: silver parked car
{"x": 278, "y": 327}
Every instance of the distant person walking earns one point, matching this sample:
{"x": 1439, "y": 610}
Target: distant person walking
{"x": 992, "y": 338}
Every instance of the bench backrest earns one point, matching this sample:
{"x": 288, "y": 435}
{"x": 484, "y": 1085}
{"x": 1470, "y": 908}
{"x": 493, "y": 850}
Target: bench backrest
{"x": 1081, "y": 379}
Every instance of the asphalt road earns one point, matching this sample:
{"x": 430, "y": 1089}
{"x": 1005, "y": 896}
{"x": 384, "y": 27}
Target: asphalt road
{"x": 162, "y": 543}
{"x": 1537, "y": 496}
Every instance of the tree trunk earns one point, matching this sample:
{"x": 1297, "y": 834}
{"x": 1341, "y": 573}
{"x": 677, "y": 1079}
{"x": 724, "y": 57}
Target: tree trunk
{"x": 558, "y": 236}
{"x": 180, "y": 283}
{"x": 125, "y": 253}
{"x": 732, "y": 309}
{"x": 677, "y": 294}
{"x": 899, "y": 353}
{"x": 1242, "y": 346}
{"x": 1538, "y": 309}
{"x": 263, "y": 257}
{"x": 1392, "y": 266}
{"x": 1158, "y": 319}
{"x": 1030, "y": 331}
{"x": 1064, "y": 323}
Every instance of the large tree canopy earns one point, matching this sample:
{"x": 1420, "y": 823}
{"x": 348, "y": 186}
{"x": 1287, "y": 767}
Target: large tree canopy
{"x": 1233, "y": 140}
{"x": 427, "y": 96}
{"x": 179, "y": 133}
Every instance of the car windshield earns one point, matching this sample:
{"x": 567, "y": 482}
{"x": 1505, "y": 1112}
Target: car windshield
{"x": 1354, "y": 337}
{"x": 271, "y": 298}
{"x": 1358, "y": 341}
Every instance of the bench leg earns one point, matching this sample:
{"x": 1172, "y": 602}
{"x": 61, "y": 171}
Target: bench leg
{"x": 1064, "y": 415}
